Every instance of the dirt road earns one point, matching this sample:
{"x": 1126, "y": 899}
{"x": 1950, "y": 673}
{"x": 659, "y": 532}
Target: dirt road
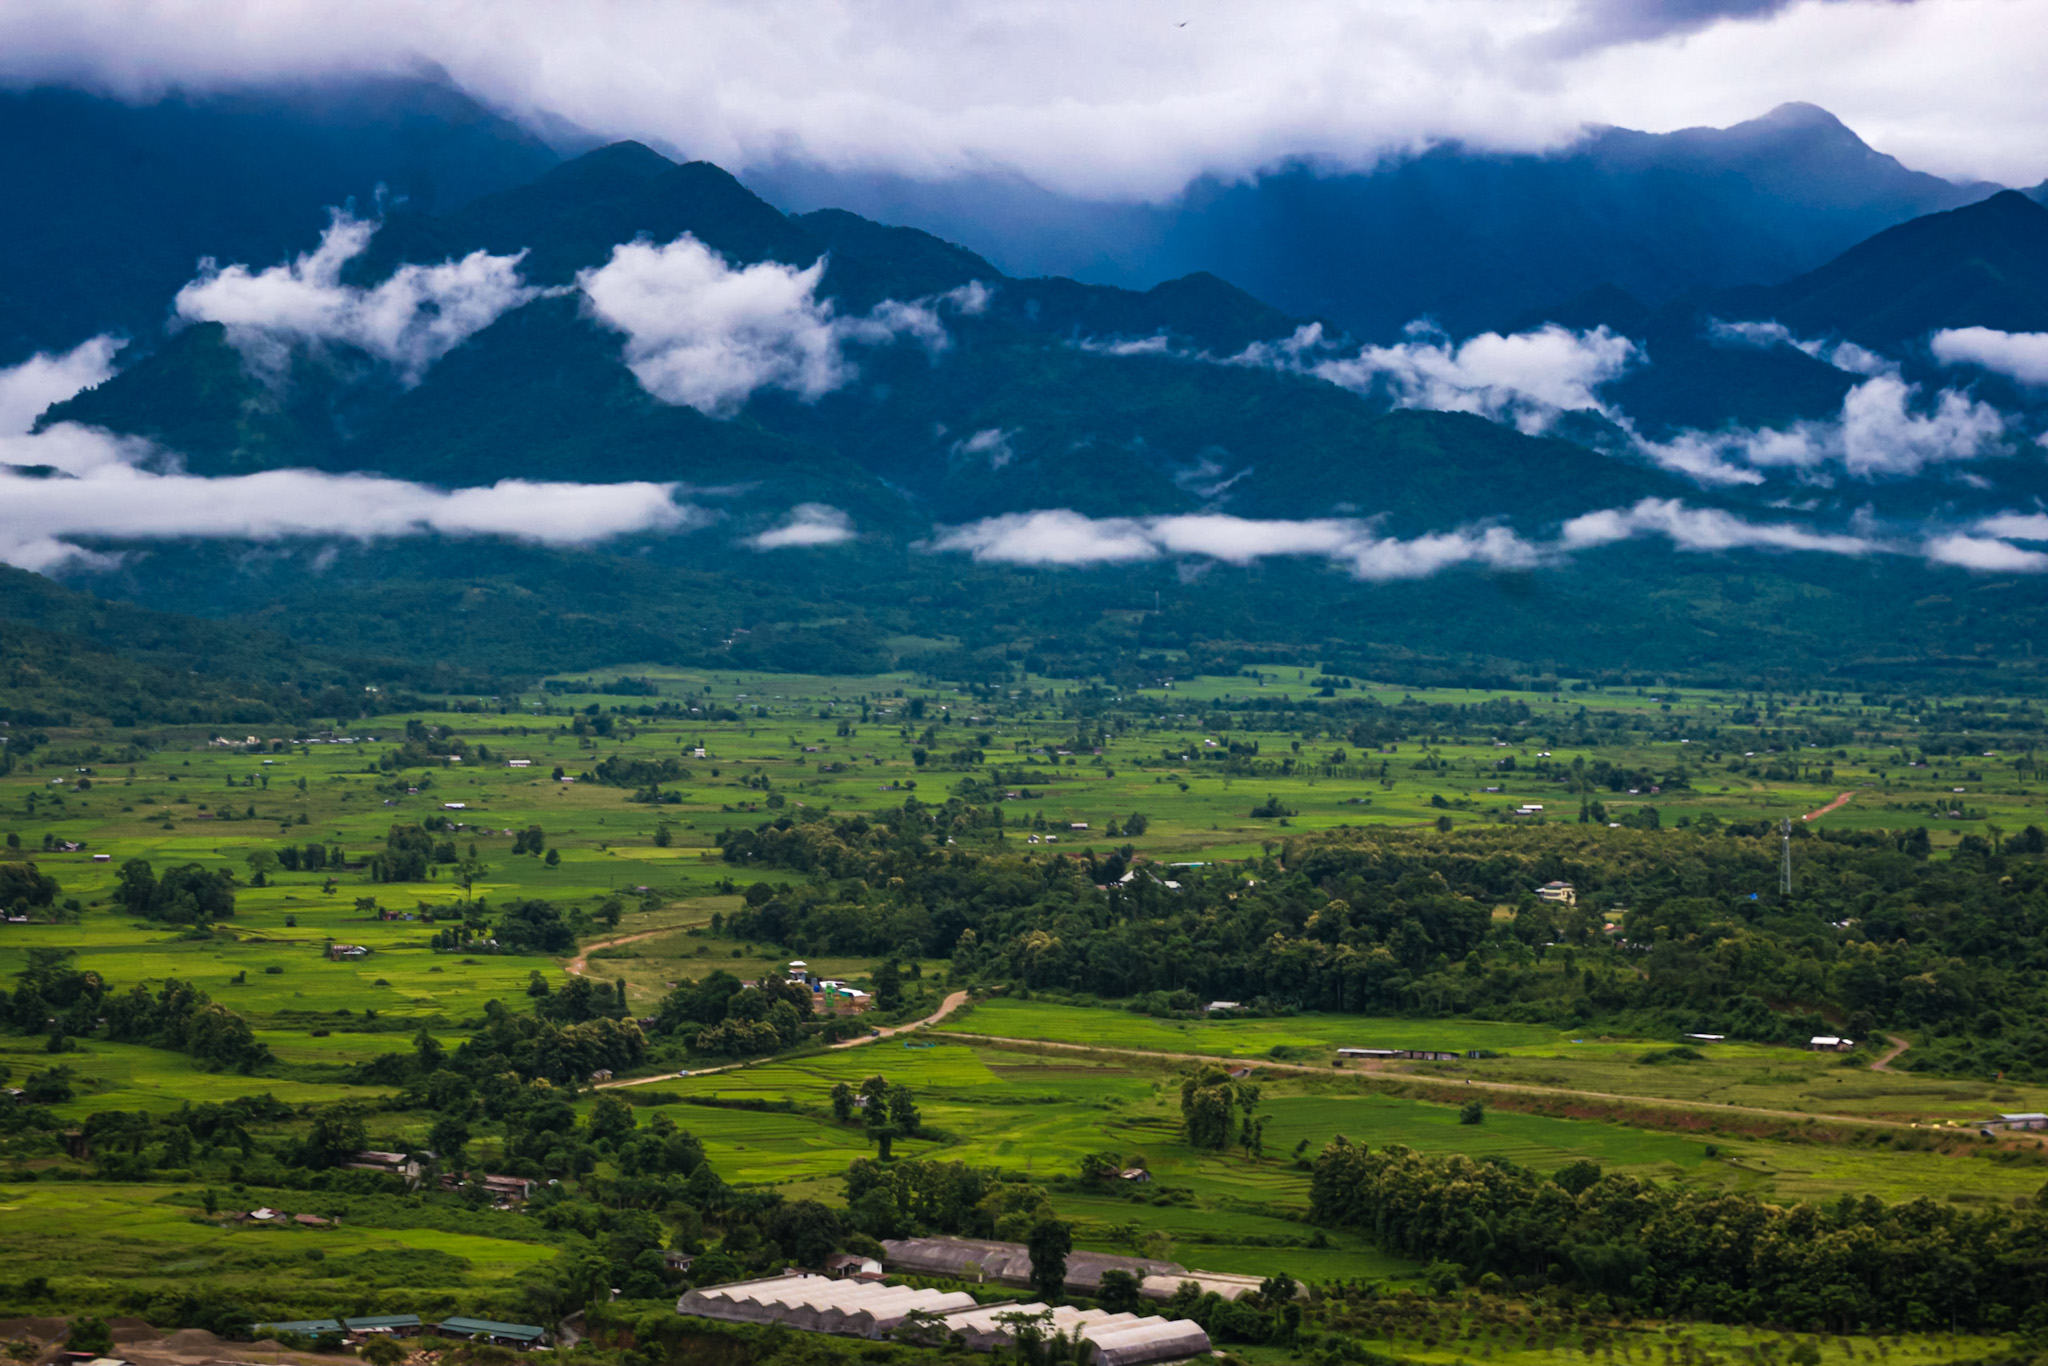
{"x": 1836, "y": 805}
{"x": 946, "y": 1007}
{"x": 1898, "y": 1046}
{"x": 580, "y": 964}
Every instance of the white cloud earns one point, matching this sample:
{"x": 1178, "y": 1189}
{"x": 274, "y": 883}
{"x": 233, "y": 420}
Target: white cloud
{"x": 809, "y": 524}
{"x": 2017, "y": 526}
{"x": 1116, "y": 100}
{"x": 991, "y": 444}
{"x": 1843, "y": 355}
{"x": 410, "y": 321}
{"x": 1703, "y": 529}
{"x": 43, "y": 379}
{"x": 1878, "y": 432}
{"x": 701, "y": 333}
{"x": 2020, "y": 355}
{"x": 1527, "y": 378}
{"x": 1985, "y": 553}
{"x": 102, "y": 491}
{"x": 1063, "y": 537}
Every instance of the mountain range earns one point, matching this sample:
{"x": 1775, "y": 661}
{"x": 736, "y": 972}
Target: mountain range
{"x": 877, "y": 445}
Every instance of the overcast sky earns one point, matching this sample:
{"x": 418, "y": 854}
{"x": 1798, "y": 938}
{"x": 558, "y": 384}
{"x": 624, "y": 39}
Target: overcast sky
{"x": 1117, "y": 98}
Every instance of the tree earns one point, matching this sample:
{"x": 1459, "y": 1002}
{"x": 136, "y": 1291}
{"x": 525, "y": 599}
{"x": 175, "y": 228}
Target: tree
{"x": 427, "y": 1051}
{"x": 1119, "y": 1292}
{"x": 448, "y": 1138}
{"x": 382, "y": 1351}
{"x": 888, "y": 986}
{"x": 336, "y": 1136}
{"x": 89, "y": 1334}
{"x": 1049, "y": 1243}
{"x": 842, "y": 1102}
{"x": 611, "y": 1117}
{"x": 554, "y": 858}
{"x": 807, "y": 1231}
{"x": 1472, "y": 1112}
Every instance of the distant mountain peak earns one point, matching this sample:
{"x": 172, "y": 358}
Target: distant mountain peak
{"x": 1800, "y": 114}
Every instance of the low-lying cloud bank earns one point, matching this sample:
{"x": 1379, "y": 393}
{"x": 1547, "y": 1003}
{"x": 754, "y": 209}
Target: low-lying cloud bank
{"x": 1061, "y": 537}
{"x": 71, "y": 483}
{"x": 808, "y": 524}
{"x": 409, "y": 321}
{"x": 1527, "y": 379}
{"x": 2021, "y": 356}
{"x": 702, "y": 333}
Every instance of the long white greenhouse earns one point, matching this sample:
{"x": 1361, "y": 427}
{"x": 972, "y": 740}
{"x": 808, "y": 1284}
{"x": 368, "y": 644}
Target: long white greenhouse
{"x": 867, "y": 1309}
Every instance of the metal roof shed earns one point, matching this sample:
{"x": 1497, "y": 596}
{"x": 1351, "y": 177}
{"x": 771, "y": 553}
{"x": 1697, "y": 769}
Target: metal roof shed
{"x": 383, "y": 1323}
{"x": 311, "y": 1328}
{"x": 491, "y": 1330}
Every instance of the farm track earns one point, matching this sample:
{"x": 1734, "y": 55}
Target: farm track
{"x": 1898, "y": 1046}
{"x": 579, "y": 966}
{"x": 1459, "y": 1087}
{"x": 1836, "y": 805}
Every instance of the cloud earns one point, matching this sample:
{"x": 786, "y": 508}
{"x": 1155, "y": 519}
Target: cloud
{"x": 1114, "y": 101}
{"x": 991, "y": 444}
{"x": 1702, "y": 529}
{"x": 1843, "y": 355}
{"x": 701, "y": 333}
{"x": 1527, "y": 378}
{"x": 43, "y": 379}
{"x": 1062, "y": 537}
{"x": 409, "y": 321}
{"x": 1881, "y": 430}
{"x": 98, "y": 489}
{"x": 2017, "y": 526}
{"x": 2022, "y": 356}
{"x": 809, "y": 524}
{"x": 1985, "y": 553}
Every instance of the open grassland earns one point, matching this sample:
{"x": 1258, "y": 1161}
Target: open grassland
{"x": 1533, "y": 1056}
{"x": 100, "y": 1242}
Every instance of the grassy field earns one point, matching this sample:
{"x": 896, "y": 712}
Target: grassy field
{"x": 777, "y": 743}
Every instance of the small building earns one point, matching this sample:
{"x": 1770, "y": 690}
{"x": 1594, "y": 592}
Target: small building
{"x": 799, "y": 971}
{"x": 679, "y": 1262}
{"x": 851, "y": 1266}
{"x": 391, "y": 1164}
{"x": 1706, "y": 1038}
{"x": 1828, "y": 1043}
{"x": 1215, "y": 1006}
{"x": 384, "y": 1325}
{"x": 601, "y": 1074}
{"x": 519, "y": 763}
{"x": 491, "y": 1330}
{"x": 1559, "y": 892}
{"x": 343, "y": 953}
{"x": 2027, "y": 1120}
{"x": 1137, "y": 1176}
{"x": 312, "y": 1221}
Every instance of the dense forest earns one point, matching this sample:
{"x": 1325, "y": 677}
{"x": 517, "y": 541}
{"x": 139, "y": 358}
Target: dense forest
{"x": 1874, "y": 935}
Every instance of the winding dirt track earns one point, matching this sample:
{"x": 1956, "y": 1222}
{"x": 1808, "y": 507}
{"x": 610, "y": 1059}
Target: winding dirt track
{"x": 579, "y": 965}
{"x": 946, "y": 1007}
{"x": 1898, "y": 1046}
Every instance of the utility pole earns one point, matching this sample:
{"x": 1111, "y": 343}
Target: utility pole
{"x": 1785, "y": 881}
